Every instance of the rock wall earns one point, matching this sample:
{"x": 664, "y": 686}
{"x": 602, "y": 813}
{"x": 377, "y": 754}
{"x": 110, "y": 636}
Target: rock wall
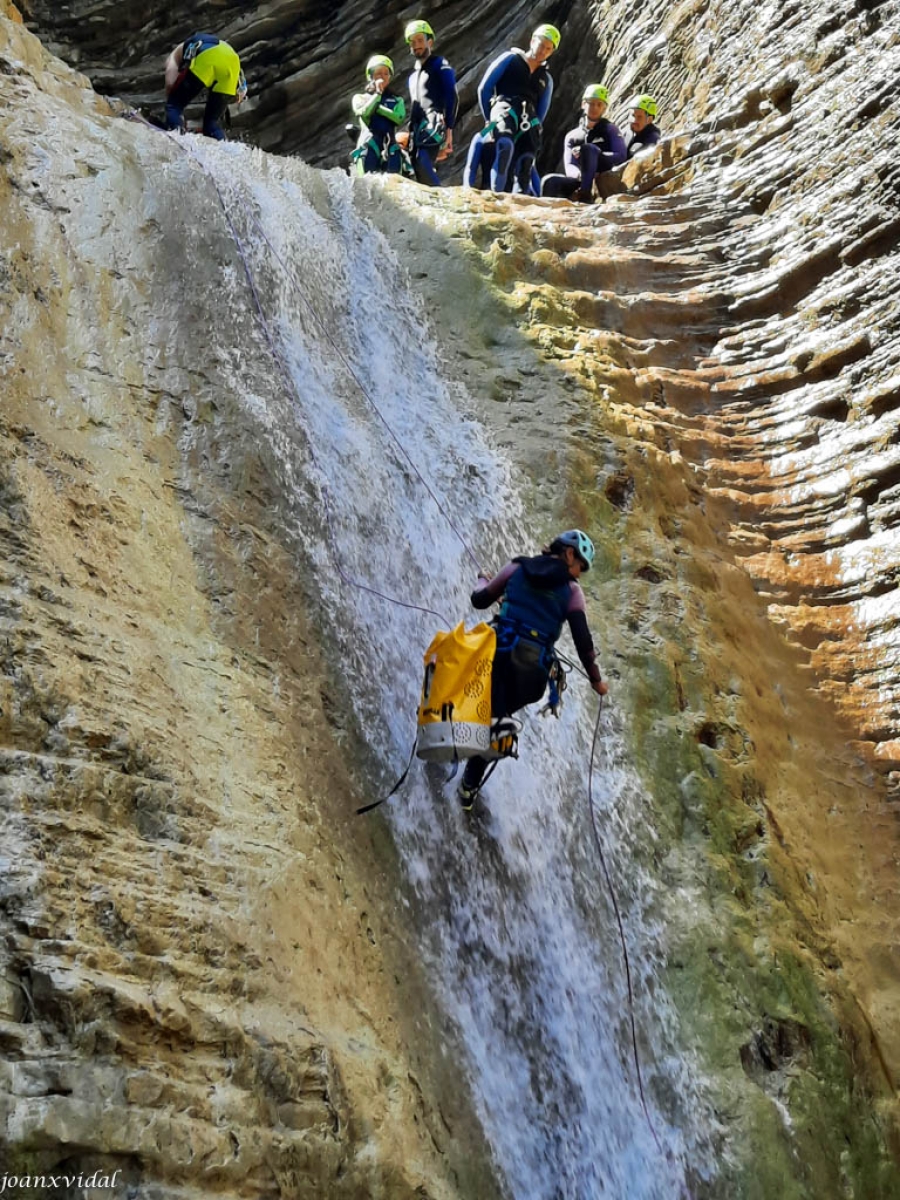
{"x": 711, "y": 360}
{"x": 204, "y": 984}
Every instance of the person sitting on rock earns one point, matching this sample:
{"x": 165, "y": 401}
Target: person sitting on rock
{"x": 644, "y": 132}
{"x": 515, "y": 96}
{"x": 539, "y": 594}
{"x": 203, "y": 61}
{"x": 380, "y": 112}
{"x": 434, "y": 104}
{"x": 595, "y": 146}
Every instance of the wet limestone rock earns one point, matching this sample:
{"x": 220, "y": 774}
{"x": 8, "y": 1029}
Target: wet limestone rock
{"x": 204, "y": 984}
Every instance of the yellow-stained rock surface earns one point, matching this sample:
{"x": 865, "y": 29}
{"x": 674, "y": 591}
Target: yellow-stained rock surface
{"x": 203, "y": 981}
{"x": 207, "y": 976}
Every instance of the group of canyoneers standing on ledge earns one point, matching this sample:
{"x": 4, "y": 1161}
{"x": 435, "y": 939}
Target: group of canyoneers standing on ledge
{"x": 514, "y": 96}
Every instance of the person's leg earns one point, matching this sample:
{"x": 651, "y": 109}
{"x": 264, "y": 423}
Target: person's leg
{"x": 394, "y": 163}
{"x": 424, "y": 168}
{"x": 473, "y": 162}
{"x": 590, "y": 162}
{"x": 559, "y": 186}
{"x": 522, "y": 172}
{"x": 369, "y": 161}
{"x": 215, "y": 110}
{"x": 503, "y": 154}
{"x": 187, "y": 88}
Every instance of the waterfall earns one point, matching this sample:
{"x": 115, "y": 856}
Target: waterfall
{"x": 516, "y": 925}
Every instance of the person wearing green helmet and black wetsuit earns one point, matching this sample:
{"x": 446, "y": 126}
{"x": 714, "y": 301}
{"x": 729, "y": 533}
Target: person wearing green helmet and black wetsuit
{"x": 594, "y": 147}
{"x": 434, "y": 104}
{"x": 644, "y": 131}
{"x": 514, "y": 96}
{"x": 539, "y": 595}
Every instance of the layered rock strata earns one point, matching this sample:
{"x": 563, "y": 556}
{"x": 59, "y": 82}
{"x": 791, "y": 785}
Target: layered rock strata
{"x": 203, "y": 985}
{"x": 680, "y": 371}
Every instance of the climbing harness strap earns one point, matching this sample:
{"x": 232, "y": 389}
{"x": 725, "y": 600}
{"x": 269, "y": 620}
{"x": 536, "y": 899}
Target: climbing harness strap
{"x": 430, "y": 133}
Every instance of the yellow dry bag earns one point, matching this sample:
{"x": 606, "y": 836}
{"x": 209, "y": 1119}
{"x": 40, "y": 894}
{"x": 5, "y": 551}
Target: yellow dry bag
{"x": 455, "y": 709}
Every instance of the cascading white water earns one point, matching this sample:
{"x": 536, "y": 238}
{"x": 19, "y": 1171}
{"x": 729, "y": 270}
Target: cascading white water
{"x": 517, "y": 927}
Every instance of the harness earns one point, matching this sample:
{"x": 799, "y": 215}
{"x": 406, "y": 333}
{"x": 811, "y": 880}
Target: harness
{"x": 430, "y": 132}
{"x": 523, "y": 122}
{"x": 196, "y": 46}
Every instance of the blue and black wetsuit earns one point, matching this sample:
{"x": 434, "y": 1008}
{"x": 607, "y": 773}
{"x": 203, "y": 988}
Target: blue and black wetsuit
{"x": 587, "y": 152}
{"x": 514, "y": 100}
{"x": 434, "y": 105}
{"x": 539, "y": 596}
{"x": 648, "y": 137}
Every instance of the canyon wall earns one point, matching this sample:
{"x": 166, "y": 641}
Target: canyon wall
{"x": 703, "y": 371}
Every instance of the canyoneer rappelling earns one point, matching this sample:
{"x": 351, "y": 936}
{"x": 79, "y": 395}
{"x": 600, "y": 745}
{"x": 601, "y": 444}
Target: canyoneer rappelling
{"x": 513, "y": 662}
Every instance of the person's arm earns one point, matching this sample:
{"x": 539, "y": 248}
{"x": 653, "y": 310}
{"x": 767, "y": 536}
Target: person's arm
{"x": 616, "y": 153}
{"x": 543, "y": 104}
{"x": 394, "y": 109}
{"x": 572, "y": 153}
{"x": 364, "y": 105}
{"x": 174, "y": 63}
{"x": 490, "y": 81}
{"x": 584, "y": 643}
{"x": 451, "y": 96}
{"x": 489, "y": 591}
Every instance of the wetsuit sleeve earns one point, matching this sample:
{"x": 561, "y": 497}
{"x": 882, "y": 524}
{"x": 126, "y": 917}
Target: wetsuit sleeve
{"x": 573, "y": 142}
{"x": 543, "y": 104}
{"x": 581, "y": 634}
{"x": 617, "y": 152}
{"x": 394, "y": 110}
{"x": 451, "y": 96}
{"x": 364, "y": 104}
{"x": 490, "y": 590}
{"x": 491, "y": 81}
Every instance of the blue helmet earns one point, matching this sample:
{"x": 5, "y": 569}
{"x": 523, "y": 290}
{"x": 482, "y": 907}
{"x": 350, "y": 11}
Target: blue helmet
{"x": 580, "y": 543}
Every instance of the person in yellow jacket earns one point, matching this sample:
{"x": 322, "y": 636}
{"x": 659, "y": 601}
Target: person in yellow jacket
{"x": 203, "y": 61}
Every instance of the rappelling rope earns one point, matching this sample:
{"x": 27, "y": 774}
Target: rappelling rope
{"x": 621, "y": 928}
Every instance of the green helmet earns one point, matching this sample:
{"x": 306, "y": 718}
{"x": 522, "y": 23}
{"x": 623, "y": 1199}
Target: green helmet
{"x": 596, "y": 91}
{"x": 647, "y": 104}
{"x": 415, "y": 27}
{"x": 550, "y": 32}
{"x": 580, "y": 543}
{"x": 378, "y": 60}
